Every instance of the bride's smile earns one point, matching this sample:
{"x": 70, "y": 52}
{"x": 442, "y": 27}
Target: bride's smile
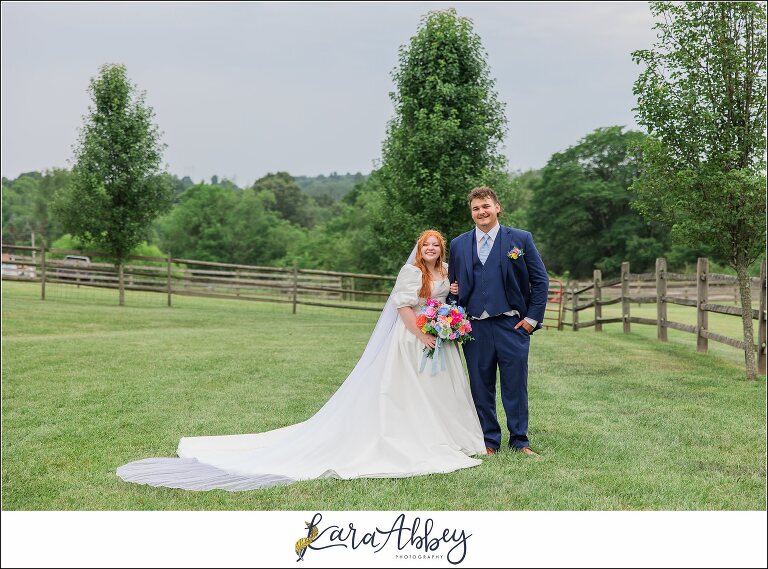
{"x": 430, "y": 250}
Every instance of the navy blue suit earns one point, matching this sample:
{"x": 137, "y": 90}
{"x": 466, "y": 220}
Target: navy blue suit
{"x": 498, "y": 286}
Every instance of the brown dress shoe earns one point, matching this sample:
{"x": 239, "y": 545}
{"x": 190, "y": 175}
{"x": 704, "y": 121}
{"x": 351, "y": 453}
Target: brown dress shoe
{"x": 489, "y": 450}
{"x": 527, "y": 451}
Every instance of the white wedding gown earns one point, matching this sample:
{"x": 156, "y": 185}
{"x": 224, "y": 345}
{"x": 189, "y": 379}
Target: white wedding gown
{"x": 387, "y": 420}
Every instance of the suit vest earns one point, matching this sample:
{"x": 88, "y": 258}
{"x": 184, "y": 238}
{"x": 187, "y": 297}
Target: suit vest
{"x": 488, "y": 293}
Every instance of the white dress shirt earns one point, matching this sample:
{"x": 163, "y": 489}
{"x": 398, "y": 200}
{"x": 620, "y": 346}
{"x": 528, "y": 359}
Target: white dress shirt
{"x": 492, "y": 237}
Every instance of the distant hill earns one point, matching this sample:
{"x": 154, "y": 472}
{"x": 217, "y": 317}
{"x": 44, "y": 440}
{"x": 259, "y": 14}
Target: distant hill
{"x": 335, "y": 185}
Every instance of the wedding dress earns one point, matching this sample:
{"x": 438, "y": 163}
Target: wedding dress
{"x": 387, "y": 420}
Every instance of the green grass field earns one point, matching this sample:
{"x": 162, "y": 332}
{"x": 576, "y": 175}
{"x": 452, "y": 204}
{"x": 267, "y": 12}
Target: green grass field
{"x": 622, "y": 422}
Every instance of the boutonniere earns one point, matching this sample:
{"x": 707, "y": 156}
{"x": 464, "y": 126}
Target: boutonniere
{"x": 515, "y": 253}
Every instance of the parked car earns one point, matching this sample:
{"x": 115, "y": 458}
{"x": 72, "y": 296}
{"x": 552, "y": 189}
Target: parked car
{"x": 78, "y": 259}
{"x": 71, "y": 268}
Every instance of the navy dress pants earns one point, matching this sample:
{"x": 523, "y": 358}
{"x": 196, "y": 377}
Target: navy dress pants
{"x": 497, "y": 344}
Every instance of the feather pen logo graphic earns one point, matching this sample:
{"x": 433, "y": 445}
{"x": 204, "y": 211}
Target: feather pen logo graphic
{"x": 303, "y": 543}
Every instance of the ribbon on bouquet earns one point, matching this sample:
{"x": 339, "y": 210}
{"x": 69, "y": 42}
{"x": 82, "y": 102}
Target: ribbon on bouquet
{"x": 438, "y": 354}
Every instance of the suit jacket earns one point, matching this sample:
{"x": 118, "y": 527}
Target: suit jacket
{"x": 525, "y": 279}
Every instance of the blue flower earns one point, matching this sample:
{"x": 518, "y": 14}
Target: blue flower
{"x": 444, "y": 311}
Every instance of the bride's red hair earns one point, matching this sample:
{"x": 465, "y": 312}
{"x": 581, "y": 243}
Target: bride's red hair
{"x": 426, "y": 275}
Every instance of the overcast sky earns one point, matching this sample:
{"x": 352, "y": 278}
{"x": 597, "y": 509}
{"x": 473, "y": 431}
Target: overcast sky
{"x": 243, "y": 89}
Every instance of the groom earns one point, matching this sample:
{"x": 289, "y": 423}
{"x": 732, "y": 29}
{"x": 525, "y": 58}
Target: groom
{"x": 503, "y": 286}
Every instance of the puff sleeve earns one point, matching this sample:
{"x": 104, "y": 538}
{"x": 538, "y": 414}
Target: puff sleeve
{"x": 407, "y": 286}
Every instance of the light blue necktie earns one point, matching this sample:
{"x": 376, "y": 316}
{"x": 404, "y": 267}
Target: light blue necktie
{"x": 485, "y": 249}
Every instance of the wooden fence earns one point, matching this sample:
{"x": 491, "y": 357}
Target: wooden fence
{"x": 188, "y": 277}
{"x": 663, "y": 284}
{"x": 332, "y": 289}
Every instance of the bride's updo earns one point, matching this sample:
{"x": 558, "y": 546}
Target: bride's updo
{"x": 421, "y": 263}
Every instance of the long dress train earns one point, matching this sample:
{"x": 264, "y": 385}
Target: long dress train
{"x": 386, "y": 420}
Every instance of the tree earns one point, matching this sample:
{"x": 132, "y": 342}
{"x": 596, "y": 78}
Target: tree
{"x": 584, "y": 208}
{"x": 116, "y": 188}
{"x": 186, "y": 182}
{"x": 46, "y": 225}
{"x": 335, "y": 186}
{"x": 702, "y": 98}
{"x": 212, "y": 223}
{"x": 196, "y": 228}
{"x": 179, "y": 186}
{"x": 444, "y": 138}
{"x": 345, "y": 241}
{"x": 26, "y": 202}
{"x": 516, "y": 197}
{"x": 18, "y": 207}
{"x": 289, "y": 201}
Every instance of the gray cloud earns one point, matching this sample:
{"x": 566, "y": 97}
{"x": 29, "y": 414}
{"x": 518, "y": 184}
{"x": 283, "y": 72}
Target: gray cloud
{"x": 242, "y": 89}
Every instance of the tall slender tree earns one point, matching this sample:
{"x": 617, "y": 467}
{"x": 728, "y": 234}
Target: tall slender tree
{"x": 116, "y": 188}
{"x": 702, "y": 98}
{"x": 445, "y": 136}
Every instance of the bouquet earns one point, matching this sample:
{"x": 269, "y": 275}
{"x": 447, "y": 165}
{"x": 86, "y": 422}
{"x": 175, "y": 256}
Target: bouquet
{"x": 447, "y": 323}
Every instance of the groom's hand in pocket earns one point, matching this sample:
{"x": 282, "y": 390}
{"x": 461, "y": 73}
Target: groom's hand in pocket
{"x": 527, "y": 327}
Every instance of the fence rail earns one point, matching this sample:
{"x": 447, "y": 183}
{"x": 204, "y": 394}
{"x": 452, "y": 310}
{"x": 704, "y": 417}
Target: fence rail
{"x": 335, "y": 289}
{"x": 708, "y": 287}
{"x": 191, "y": 277}
{"x": 210, "y": 279}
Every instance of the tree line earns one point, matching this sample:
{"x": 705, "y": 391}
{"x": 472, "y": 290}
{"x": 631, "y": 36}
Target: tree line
{"x": 577, "y": 206}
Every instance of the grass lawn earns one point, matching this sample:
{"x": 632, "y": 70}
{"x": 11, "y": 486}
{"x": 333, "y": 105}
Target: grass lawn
{"x": 622, "y": 422}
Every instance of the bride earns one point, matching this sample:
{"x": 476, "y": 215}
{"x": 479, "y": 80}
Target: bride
{"x": 387, "y": 420}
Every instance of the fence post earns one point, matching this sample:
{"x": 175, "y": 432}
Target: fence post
{"x": 352, "y": 295}
{"x": 575, "y": 302}
{"x": 624, "y": 295}
{"x": 169, "y": 278}
{"x": 597, "y": 277}
{"x": 661, "y": 305}
{"x": 761, "y": 347}
{"x": 42, "y": 272}
{"x": 702, "y": 316}
{"x": 121, "y": 284}
{"x": 295, "y": 285}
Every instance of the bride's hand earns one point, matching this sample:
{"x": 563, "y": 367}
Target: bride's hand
{"x": 454, "y": 288}
{"x": 428, "y": 340}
